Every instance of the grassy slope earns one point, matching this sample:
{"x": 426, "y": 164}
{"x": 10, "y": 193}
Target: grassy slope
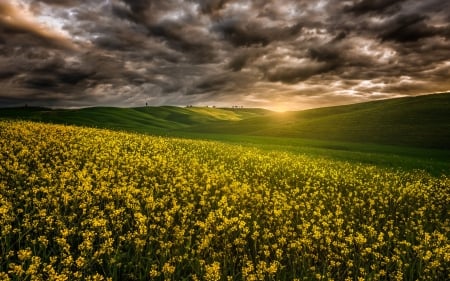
{"x": 422, "y": 121}
{"x": 142, "y": 119}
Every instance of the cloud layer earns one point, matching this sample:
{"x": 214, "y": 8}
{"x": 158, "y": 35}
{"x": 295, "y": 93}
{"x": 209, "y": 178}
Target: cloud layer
{"x": 287, "y": 54}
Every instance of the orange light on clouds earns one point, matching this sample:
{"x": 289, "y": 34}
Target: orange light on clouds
{"x": 20, "y": 19}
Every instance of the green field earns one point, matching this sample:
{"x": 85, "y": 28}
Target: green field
{"x": 154, "y": 120}
{"x": 422, "y": 121}
{"x": 405, "y": 133}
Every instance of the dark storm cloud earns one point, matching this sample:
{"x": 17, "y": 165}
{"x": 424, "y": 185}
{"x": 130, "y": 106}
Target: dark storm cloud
{"x": 212, "y": 83}
{"x": 67, "y": 3}
{"x": 294, "y": 53}
{"x": 405, "y": 28}
{"x": 178, "y": 37}
{"x": 244, "y": 57}
{"x": 43, "y": 73}
{"x": 240, "y": 34}
{"x": 294, "y": 74}
{"x": 211, "y": 6}
{"x": 374, "y": 6}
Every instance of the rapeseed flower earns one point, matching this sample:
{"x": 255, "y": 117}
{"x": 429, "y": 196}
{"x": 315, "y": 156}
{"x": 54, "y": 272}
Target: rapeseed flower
{"x": 88, "y": 204}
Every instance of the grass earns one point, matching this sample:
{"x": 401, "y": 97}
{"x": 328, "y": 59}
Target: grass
{"x": 404, "y": 133}
{"x": 422, "y": 121}
{"x": 140, "y": 119}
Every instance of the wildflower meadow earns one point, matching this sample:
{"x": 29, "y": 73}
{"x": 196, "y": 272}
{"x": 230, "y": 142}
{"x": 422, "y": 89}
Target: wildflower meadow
{"x": 89, "y": 204}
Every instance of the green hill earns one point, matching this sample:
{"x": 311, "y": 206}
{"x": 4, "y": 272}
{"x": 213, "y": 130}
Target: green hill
{"x": 421, "y": 121}
{"x": 155, "y": 120}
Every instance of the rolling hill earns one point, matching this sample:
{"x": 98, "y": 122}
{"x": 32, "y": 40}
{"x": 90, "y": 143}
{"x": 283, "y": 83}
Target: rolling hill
{"x": 156, "y": 120}
{"x": 421, "y": 121}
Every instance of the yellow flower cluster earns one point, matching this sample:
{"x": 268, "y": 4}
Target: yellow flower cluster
{"x": 88, "y": 204}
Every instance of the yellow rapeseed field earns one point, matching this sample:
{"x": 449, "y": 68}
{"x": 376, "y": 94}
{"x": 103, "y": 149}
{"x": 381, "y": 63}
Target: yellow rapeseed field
{"x": 88, "y": 204}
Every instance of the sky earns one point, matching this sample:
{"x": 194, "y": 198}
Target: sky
{"x": 279, "y": 54}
